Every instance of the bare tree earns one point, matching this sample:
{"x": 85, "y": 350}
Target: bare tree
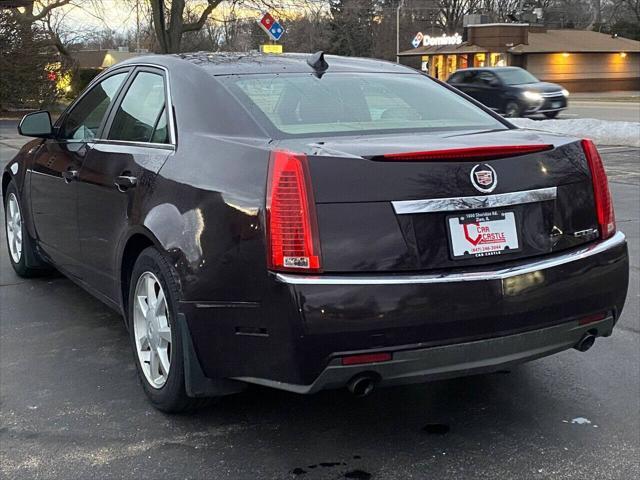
{"x": 30, "y": 12}
{"x": 307, "y": 30}
{"x": 453, "y": 11}
{"x": 500, "y": 10}
{"x": 170, "y": 21}
{"x": 633, "y": 6}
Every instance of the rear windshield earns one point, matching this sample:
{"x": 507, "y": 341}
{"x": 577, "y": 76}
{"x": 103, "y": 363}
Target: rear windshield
{"x": 353, "y": 103}
{"x": 516, "y": 76}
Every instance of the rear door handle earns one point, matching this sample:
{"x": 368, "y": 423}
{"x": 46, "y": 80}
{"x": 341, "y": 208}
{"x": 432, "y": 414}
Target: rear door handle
{"x": 69, "y": 175}
{"x": 125, "y": 182}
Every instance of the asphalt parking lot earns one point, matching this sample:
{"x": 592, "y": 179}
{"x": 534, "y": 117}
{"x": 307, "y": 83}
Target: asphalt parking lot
{"x": 72, "y": 407}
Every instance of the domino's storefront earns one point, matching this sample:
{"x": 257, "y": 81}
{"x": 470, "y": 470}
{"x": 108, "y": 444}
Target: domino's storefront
{"x": 440, "y": 56}
{"x": 580, "y": 60}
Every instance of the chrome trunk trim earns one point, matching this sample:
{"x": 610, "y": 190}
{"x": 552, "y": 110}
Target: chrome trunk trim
{"x": 407, "y": 207}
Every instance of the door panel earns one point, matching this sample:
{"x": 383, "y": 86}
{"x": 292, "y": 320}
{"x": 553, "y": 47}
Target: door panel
{"x": 55, "y": 171}
{"x": 105, "y": 211}
{"x": 53, "y": 201}
{"x": 489, "y": 89}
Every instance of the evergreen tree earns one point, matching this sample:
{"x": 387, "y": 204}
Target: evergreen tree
{"x": 352, "y": 23}
{"x": 25, "y": 53}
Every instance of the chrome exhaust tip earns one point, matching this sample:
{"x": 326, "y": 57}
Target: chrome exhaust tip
{"x": 362, "y": 385}
{"x": 586, "y": 342}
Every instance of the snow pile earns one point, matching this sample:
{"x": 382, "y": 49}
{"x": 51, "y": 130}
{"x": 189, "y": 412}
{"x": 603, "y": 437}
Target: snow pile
{"x": 603, "y": 132}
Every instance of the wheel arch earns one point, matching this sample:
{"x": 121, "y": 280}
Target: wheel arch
{"x": 196, "y": 383}
{"x": 6, "y": 178}
{"x": 138, "y": 240}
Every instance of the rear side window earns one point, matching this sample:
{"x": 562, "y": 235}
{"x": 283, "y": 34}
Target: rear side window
{"x": 462, "y": 77}
{"x": 352, "y": 103}
{"x": 85, "y": 118}
{"x": 141, "y": 116}
{"x": 485, "y": 78}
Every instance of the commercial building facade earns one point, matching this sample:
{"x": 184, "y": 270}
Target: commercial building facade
{"x": 580, "y": 60}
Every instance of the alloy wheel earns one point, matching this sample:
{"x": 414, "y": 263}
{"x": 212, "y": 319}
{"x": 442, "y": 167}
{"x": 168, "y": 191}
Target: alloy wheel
{"x": 152, "y": 330}
{"x": 512, "y": 110}
{"x": 14, "y": 228}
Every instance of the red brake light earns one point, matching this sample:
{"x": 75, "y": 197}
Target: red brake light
{"x": 292, "y": 227}
{"x": 592, "y": 318}
{"x": 601, "y": 194}
{"x": 469, "y": 153}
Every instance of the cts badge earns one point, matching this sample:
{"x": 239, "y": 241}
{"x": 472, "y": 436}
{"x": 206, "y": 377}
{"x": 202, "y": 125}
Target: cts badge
{"x": 484, "y": 178}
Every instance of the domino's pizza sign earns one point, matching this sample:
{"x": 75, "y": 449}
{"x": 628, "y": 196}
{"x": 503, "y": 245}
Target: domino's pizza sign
{"x": 417, "y": 40}
{"x": 271, "y": 26}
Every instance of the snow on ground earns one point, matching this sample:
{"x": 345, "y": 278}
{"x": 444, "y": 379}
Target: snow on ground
{"x": 602, "y": 132}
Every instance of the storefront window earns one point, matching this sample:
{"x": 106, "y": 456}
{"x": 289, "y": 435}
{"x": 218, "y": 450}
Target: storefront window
{"x": 436, "y": 66}
{"x": 497, "y": 60}
{"x": 424, "y": 63}
{"x": 443, "y": 66}
{"x": 451, "y": 66}
{"x": 479, "y": 59}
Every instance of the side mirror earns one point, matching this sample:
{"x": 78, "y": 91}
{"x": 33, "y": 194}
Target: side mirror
{"x": 36, "y": 124}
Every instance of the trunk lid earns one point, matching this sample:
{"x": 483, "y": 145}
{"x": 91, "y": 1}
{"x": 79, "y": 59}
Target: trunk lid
{"x": 398, "y": 215}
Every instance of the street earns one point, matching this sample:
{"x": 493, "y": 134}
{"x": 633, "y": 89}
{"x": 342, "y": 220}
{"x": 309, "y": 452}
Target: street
{"x": 73, "y": 408}
{"x": 617, "y": 111}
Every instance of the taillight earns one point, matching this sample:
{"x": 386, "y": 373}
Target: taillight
{"x": 292, "y": 227}
{"x": 601, "y": 194}
{"x": 467, "y": 153}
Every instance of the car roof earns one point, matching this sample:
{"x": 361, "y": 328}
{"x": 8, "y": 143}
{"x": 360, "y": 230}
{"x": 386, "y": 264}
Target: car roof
{"x": 235, "y": 63}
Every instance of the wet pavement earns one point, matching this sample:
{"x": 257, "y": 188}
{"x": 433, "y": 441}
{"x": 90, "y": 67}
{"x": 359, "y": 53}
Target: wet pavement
{"x": 72, "y": 407}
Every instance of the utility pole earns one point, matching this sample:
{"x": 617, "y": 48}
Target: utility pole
{"x": 400, "y": 5}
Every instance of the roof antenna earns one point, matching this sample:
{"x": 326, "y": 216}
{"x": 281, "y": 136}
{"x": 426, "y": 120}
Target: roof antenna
{"x": 318, "y": 63}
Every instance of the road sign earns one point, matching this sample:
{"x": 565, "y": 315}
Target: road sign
{"x": 269, "y": 48}
{"x": 417, "y": 40}
{"x": 271, "y": 26}
{"x": 266, "y": 21}
{"x": 276, "y": 31}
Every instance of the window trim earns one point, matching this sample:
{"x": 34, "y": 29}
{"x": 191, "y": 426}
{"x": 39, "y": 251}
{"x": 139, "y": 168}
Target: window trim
{"x": 157, "y": 70}
{"x": 130, "y": 68}
{"x": 93, "y": 84}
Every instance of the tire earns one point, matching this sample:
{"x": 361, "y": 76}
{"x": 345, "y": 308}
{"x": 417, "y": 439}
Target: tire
{"x": 163, "y": 379}
{"x": 551, "y": 114}
{"x": 20, "y": 245}
{"x": 512, "y": 109}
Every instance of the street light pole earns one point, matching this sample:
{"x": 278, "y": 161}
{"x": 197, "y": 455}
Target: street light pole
{"x": 400, "y": 4}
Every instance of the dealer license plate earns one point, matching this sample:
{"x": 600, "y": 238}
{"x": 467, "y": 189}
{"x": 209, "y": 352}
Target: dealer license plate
{"x": 482, "y": 234}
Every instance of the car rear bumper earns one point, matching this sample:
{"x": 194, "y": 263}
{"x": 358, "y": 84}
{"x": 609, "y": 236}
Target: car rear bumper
{"x": 449, "y": 361}
{"x": 435, "y": 325}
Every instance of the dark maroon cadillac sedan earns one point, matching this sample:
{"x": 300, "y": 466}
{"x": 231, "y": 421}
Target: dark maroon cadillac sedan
{"x": 308, "y": 222}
